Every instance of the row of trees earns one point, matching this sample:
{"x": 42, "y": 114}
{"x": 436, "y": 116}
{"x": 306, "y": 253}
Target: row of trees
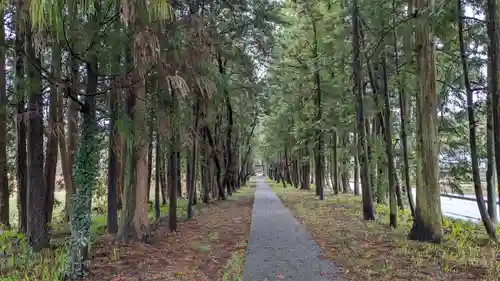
{"x": 110, "y": 91}
{"x": 386, "y": 93}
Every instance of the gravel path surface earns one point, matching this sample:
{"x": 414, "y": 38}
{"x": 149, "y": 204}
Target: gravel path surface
{"x": 279, "y": 247}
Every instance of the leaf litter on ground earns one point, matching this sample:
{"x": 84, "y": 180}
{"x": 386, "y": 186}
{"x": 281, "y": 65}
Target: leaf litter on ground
{"x": 374, "y": 251}
{"x": 185, "y": 255}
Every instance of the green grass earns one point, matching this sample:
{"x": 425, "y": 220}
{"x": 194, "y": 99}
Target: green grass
{"x": 234, "y": 268}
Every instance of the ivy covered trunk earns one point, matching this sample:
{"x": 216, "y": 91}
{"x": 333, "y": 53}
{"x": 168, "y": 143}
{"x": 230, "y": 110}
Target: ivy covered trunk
{"x": 73, "y": 107}
{"x": 85, "y": 179}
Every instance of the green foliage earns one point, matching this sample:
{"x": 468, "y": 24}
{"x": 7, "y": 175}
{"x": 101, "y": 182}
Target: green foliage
{"x": 85, "y": 180}
{"x": 18, "y": 262}
{"x": 234, "y": 268}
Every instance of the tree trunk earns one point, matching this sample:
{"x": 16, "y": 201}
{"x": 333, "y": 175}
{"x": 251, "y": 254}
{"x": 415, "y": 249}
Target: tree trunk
{"x": 319, "y": 150}
{"x": 36, "y": 207}
{"x": 143, "y": 177}
{"x": 126, "y": 228}
{"x": 404, "y": 107}
{"x": 493, "y": 81}
{"x": 120, "y": 186}
{"x": 427, "y": 226}
{"x": 193, "y": 159}
{"x": 86, "y": 173}
{"x": 21, "y": 171}
{"x": 356, "y": 165}
{"x": 178, "y": 168}
{"x": 73, "y": 108}
{"x": 368, "y": 208}
{"x": 344, "y": 167}
{"x": 112, "y": 214}
{"x": 490, "y": 170}
{"x": 172, "y": 182}
{"x": 150, "y": 155}
{"x": 306, "y": 166}
{"x": 215, "y": 158}
{"x": 296, "y": 173}
{"x": 393, "y": 216}
{"x": 335, "y": 166}
{"x": 488, "y": 223}
{"x": 205, "y": 183}
{"x": 163, "y": 176}
{"x": 4, "y": 183}
{"x": 51, "y": 152}
{"x": 157, "y": 176}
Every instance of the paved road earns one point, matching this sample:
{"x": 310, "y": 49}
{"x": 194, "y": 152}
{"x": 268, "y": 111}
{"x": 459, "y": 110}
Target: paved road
{"x": 279, "y": 247}
{"x": 457, "y": 208}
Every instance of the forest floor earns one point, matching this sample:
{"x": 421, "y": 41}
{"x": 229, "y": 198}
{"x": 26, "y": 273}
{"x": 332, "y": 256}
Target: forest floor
{"x": 374, "y": 251}
{"x": 210, "y": 247}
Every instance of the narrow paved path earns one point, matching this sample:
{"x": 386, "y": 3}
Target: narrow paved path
{"x": 279, "y": 247}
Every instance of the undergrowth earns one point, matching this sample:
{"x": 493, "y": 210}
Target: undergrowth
{"x": 18, "y": 262}
{"x": 234, "y": 268}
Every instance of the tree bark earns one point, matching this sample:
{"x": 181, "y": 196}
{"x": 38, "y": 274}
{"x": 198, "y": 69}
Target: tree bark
{"x": 21, "y": 168}
{"x": 393, "y": 214}
{"x": 193, "y": 159}
{"x": 86, "y": 172}
{"x": 36, "y": 208}
{"x": 405, "y": 121}
{"x": 172, "y": 182}
{"x": 428, "y": 222}
{"x": 4, "y": 182}
{"x": 368, "y": 208}
{"x": 488, "y": 223}
{"x": 335, "y": 166}
{"x": 493, "y": 81}
{"x": 51, "y": 151}
{"x": 112, "y": 214}
{"x": 150, "y": 155}
{"x": 126, "y": 228}
{"x": 356, "y": 165}
{"x": 143, "y": 177}
{"x": 157, "y": 176}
